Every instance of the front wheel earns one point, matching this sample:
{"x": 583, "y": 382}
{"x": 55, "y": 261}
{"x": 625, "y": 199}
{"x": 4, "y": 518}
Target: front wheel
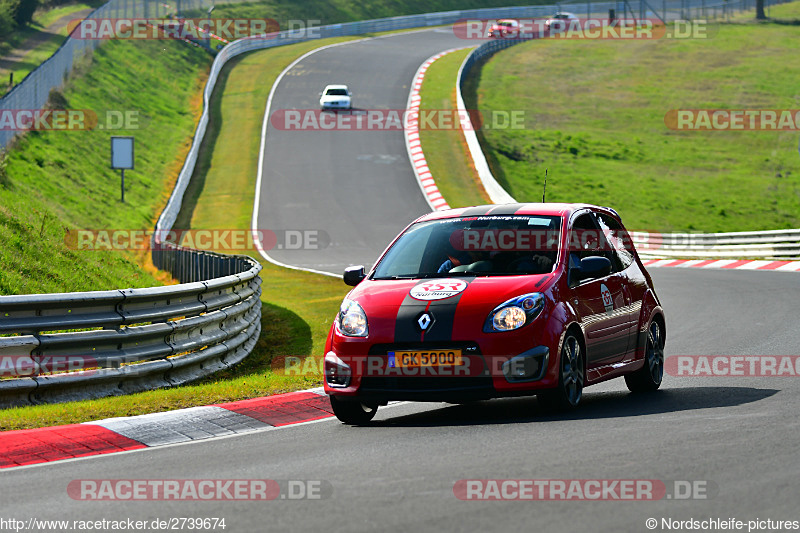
{"x": 649, "y": 377}
{"x": 354, "y": 413}
{"x": 567, "y": 395}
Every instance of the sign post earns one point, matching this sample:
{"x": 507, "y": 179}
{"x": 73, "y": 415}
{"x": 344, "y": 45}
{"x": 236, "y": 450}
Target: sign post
{"x": 122, "y": 158}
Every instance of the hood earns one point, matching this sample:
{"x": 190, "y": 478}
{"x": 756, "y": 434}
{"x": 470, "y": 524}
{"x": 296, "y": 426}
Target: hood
{"x": 481, "y": 290}
{"x": 457, "y": 304}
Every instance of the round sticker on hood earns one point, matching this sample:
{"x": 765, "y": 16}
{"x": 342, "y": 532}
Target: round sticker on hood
{"x": 438, "y": 289}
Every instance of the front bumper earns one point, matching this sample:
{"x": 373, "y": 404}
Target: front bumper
{"x": 481, "y": 376}
{"x": 335, "y": 105}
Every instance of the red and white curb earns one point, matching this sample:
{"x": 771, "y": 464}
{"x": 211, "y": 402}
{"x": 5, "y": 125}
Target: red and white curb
{"x": 42, "y": 445}
{"x": 733, "y": 264}
{"x": 411, "y": 128}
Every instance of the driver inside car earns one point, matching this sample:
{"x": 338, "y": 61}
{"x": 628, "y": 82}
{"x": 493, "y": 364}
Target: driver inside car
{"x": 458, "y": 258}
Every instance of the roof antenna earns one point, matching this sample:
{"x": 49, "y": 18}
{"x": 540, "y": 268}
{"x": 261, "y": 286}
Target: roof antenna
{"x": 544, "y": 189}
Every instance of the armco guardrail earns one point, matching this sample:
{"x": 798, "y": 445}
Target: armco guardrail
{"x": 153, "y": 337}
{"x": 168, "y": 335}
{"x": 496, "y": 193}
{"x": 774, "y": 244}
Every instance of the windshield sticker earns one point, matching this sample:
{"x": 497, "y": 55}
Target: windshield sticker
{"x": 438, "y": 289}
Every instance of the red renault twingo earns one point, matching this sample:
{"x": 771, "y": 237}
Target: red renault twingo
{"x": 493, "y": 301}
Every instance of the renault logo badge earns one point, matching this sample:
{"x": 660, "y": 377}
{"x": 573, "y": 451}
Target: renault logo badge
{"x": 424, "y": 321}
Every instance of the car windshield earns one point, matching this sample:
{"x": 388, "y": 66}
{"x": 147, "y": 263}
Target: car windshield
{"x": 336, "y": 92}
{"x": 474, "y": 246}
{"x": 562, "y": 16}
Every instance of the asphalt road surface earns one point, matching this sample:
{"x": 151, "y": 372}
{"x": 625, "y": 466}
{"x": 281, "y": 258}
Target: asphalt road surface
{"x": 737, "y": 435}
{"x": 358, "y": 187}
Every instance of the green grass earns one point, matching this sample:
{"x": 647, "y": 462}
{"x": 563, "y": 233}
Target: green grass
{"x": 595, "y": 119}
{"x": 446, "y": 150}
{"x": 45, "y": 49}
{"x": 45, "y": 18}
{"x": 225, "y": 184}
{"x": 58, "y": 180}
{"x": 298, "y": 306}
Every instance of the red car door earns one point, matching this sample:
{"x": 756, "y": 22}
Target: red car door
{"x": 634, "y": 283}
{"x": 602, "y": 302}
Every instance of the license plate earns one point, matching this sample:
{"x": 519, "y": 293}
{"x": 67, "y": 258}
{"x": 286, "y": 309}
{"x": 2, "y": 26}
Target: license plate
{"x": 418, "y": 358}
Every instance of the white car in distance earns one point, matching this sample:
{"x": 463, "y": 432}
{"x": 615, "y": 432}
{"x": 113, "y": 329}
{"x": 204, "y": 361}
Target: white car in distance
{"x": 335, "y": 97}
{"x": 561, "y": 21}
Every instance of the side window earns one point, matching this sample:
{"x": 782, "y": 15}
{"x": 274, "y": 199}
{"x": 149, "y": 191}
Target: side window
{"x": 583, "y": 240}
{"x": 587, "y": 240}
{"x": 619, "y": 239}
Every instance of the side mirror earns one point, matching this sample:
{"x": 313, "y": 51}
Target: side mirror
{"x": 354, "y": 275}
{"x": 594, "y": 267}
{"x": 586, "y": 268}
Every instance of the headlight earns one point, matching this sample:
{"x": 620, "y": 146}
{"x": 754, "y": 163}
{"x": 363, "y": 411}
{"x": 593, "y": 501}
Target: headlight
{"x": 352, "y": 319}
{"x": 514, "y": 313}
{"x": 508, "y": 318}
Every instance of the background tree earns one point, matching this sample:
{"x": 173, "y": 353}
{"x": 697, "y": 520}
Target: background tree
{"x": 760, "y": 10}
{"x": 24, "y": 11}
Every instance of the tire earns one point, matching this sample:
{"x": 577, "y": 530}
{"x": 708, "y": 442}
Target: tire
{"x": 354, "y": 413}
{"x": 648, "y": 378}
{"x": 571, "y": 377}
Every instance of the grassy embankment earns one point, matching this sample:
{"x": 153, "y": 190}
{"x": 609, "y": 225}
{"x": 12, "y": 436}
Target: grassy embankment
{"x": 52, "y": 181}
{"x": 300, "y": 305}
{"x": 46, "y": 42}
{"x": 595, "y": 118}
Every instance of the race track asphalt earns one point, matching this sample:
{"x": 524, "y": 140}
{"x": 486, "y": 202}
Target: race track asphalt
{"x": 358, "y": 187}
{"x": 738, "y": 435}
